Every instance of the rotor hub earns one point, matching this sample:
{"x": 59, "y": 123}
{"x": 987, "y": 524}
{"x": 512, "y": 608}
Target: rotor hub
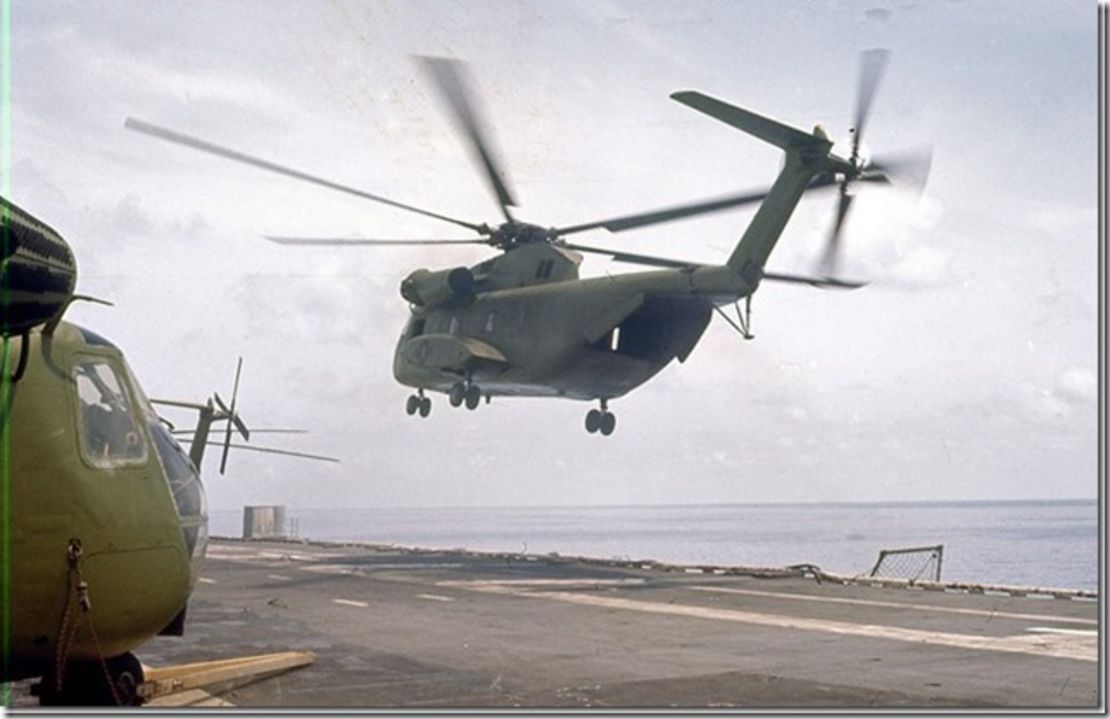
{"x": 513, "y": 234}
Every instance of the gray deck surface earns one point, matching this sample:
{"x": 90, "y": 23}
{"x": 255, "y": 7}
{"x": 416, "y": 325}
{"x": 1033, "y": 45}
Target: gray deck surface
{"x": 393, "y": 628}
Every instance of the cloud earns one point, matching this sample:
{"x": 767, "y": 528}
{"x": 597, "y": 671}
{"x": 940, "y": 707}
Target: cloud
{"x": 920, "y": 266}
{"x": 1077, "y": 384}
{"x": 796, "y": 413}
{"x": 1074, "y": 391}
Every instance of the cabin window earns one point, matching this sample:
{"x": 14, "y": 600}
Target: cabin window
{"x": 109, "y": 434}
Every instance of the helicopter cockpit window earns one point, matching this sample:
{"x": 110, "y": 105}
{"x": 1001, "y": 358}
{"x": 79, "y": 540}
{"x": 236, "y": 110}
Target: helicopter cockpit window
{"x": 185, "y": 485}
{"x": 109, "y": 433}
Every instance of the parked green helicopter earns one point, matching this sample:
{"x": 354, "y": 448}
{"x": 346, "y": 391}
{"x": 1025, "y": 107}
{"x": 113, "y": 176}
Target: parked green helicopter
{"x": 524, "y": 324}
{"x": 103, "y": 514}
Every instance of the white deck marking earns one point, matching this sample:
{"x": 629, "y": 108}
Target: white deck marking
{"x": 583, "y": 582}
{"x": 350, "y": 603}
{"x": 230, "y": 556}
{"x": 414, "y": 565}
{"x": 922, "y": 607}
{"x": 364, "y": 568}
{"x": 233, "y": 549}
{"x": 297, "y": 557}
{"x": 1061, "y": 647}
{"x": 250, "y": 554}
{"x": 327, "y": 568}
{"x": 436, "y": 597}
{"x": 1061, "y": 630}
{"x": 206, "y": 580}
{"x": 279, "y": 577}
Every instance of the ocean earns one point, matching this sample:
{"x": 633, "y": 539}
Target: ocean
{"x": 1039, "y": 543}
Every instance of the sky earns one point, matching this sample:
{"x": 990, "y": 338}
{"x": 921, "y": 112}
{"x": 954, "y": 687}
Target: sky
{"x": 966, "y": 369}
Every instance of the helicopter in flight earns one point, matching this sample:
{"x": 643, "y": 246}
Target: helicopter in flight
{"x": 104, "y": 514}
{"x": 523, "y": 323}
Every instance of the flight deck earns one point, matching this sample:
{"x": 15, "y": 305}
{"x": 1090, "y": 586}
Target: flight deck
{"x": 395, "y": 627}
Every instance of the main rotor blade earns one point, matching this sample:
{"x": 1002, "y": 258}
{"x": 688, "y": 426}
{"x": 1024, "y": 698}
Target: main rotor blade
{"x": 628, "y": 222}
{"x": 181, "y": 139}
{"x": 448, "y": 77}
{"x": 821, "y": 282}
{"x": 649, "y": 260}
{"x": 270, "y": 450}
{"x": 832, "y": 248}
{"x": 360, "y": 241}
{"x": 872, "y": 64}
{"x": 631, "y": 257}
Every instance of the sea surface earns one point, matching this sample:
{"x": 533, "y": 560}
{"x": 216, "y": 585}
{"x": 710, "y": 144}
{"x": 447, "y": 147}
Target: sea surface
{"x": 1029, "y": 543}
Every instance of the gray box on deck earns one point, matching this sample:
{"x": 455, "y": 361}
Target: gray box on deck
{"x": 264, "y": 522}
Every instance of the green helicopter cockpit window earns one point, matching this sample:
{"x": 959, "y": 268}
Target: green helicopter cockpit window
{"x": 109, "y": 433}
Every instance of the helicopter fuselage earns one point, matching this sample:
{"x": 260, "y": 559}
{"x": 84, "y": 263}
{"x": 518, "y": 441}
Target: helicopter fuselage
{"x": 89, "y": 462}
{"x": 560, "y": 336}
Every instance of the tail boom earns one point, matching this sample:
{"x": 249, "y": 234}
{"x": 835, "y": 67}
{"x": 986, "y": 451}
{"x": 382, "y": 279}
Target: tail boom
{"x": 807, "y": 155}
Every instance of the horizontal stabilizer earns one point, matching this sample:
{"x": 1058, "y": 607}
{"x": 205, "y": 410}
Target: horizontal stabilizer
{"x": 764, "y": 128}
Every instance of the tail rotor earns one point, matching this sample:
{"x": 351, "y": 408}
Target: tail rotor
{"x": 233, "y": 418}
{"x": 910, "y": 169}
{"x": 872, "y": 66}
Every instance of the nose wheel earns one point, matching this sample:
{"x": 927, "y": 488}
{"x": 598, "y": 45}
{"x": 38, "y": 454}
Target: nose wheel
{"x": 113, "y": 681}
{"x": 418, "y": 403}
{"x": 601, "y": 420}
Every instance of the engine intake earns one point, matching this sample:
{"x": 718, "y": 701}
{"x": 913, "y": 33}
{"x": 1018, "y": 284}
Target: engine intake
{"x": 428, "y": 289}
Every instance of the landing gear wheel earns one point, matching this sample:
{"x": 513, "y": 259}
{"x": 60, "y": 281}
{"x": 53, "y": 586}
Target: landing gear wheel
{"x": 593, "y": 420}
{"x": 473, "y": 396}
{"x": 412, "y": 404}
{"x": 425, "y": 406}
{"x": 608, "y": 423}
{"x": 85, "y": 684}
{"x": 127, "y": 674}
{"x": 457, "y": 394}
